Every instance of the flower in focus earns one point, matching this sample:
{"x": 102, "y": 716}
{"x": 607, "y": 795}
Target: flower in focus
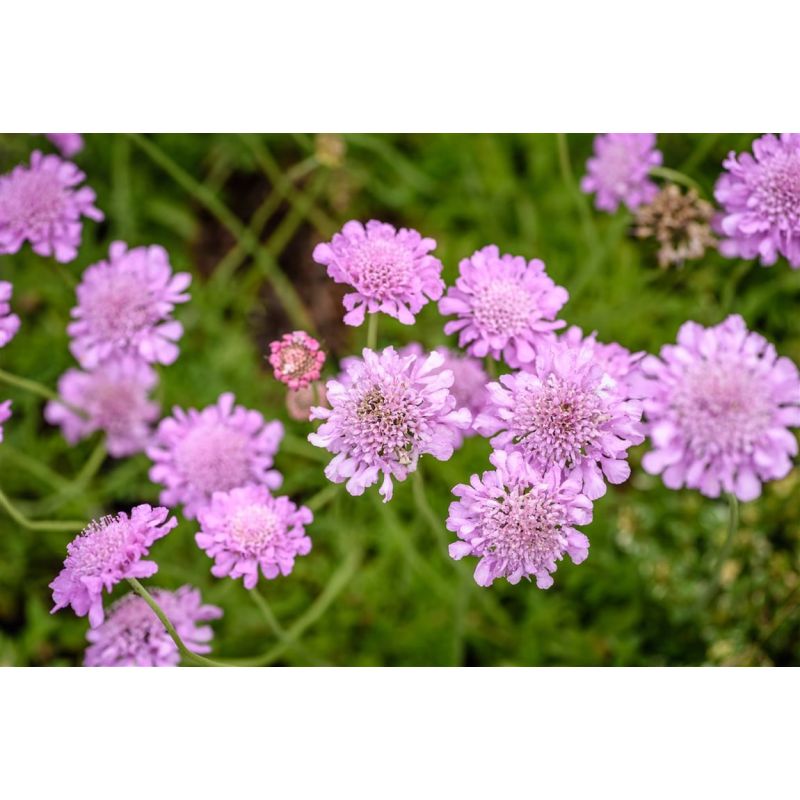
{"x": 568, "y": 413}
{"x": 5, "y": 415}
{"x": 247, "y": 529}
{"x": 612, "y": 358}
{"x": 296, "y": 359}
{"x": 125, "y": 306}
{"x": 41, "y": 204}
{"x": 115, "y": 397}
{"x": 391, "y": 271}
{"x": 760, "y": 198}
{"x": 618, "y": 171}
{"x": 718, "y": 407}
{"x": 224, "y": 446}
{"x": 388, "y": 412}
{"x": 69, "y": 144}
{"x": 106, "y": 552}
{"x": 679, "y": 222}
{"x": 519, "y": 521}
{"x": 9, "y": 323}
{"x": 469, "y": 380}
{"x": 505, "y": 306}
{"x": 133, "y": 636}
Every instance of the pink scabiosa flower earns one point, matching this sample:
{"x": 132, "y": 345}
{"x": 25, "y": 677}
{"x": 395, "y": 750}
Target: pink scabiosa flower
{"x": 566, "y": 412}
{"x": 760, "y": 198}
{"x": 618, "y": 171}
{"x": 125, "y": 306}
{"x": 391, "y": 271}
{"x": 9, "y": 323}
{"x": 296, "y": 359}
{"x": 69, "y": 144}
{"x": 5, "y": 415}
{"x": 247, "y": 529}
{"x": 41, "y": 204}
{"x": 115, "y": 397}
{"x": 388, "y": 412}
{"x": 505, "y": 306}
{"x": 519, "y": 521}
{"x": 106, "y": 552}
{"x": 222, "y": 447}
{"x": 612, "y": 358}
{"x": 133, "y": 636}
{"x": 718, "y": 406}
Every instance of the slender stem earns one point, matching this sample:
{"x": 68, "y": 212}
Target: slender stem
{"x": 33, "y": 467}
{"x": 491, "y": 367}
{"x": 39, "y": 389}
{"x": 372, "y": 332}
{"x": 421, "y": 500}
{"x": 322, "y": 497}
{"x": 182, "y": 648}
{"x": 724, "y": 551}
{"x": 80, "y": 482}
{"x": 676, "y": 177}
{"x": 580, "y": 200}
{"x": 268, "y": 614}
{"x": 38, "y": 524}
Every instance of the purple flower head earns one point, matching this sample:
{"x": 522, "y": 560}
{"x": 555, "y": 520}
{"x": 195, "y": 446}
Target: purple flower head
{"x": 115, "y": 397}
{"x": 125, "y": 306}
{"x": 247, "y": 529}
{"x": 718, "y": 408}
{"x": 760, "y": 197}
{"x": 391, "y": 271}
{"x": 618, "y": 171}
{"x": 505, "y": 306}
{"x": 519, "y": 521}
{"x": 469, "y": 380}
{"x": 296, "y": 359}
{"x": 568, "y": 413}
{"x": 106, "y": 552}
{"x": 9, "y": 323}
{"x": 222, "y": 447}
{"x": 69, "y": 144}
{"x": 390, "y": 410}
{"x": 40, "y": 204}
{"x": 5, "y": 415}
{"x": 133, "y": 636}
{"x": 612, "y": 358}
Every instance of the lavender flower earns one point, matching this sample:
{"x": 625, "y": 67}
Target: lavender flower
{"x": 566, "y": 413}
{"x": 5, "y": 415}
{"x": 391, "y": 271}
{"x": 125, "y": 306}
{"x": 9, "y": 323}
{"x": 519, "y": 521}
{"x": 69, "y": 144}
{"x": 618, "y": 172}
{"x": 247, "y": 529}
{"x": 612, "y": 358}
{"x": 133, "y": 636}
{"x": 505, "y": 306}
{"x": 224, "y": 446}
{"x": 296, "y": 359}
{"x": 760, "y": 197}
{"x": 718, "y": 407}
{"x": 387, "y": 413}
{"x": 108, "y": 551}
{"x": 41, "y": 204}
{"x": 115, "y": 396}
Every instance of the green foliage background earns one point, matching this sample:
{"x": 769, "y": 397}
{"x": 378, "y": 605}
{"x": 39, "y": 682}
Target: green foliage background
{"x": 378, "y": 587}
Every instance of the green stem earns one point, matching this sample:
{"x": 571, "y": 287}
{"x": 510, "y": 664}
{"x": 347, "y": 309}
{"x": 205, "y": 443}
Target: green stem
{"x": 491, "y": 367}
{"x": 38, "y": 524}
{"x": 580, "y": 200}
{"x": 421, "y": 500}
{"x": 725, "y": 550}
{"x": 34, "y": 387}
{"x": 80, "y": 482}
{"x": 322, "y": 497}
{"x": 280, "y": 283}
{"x": 182, "y": 648}
{"x": 372, "y": 332}
{"x": 676, "y": 177}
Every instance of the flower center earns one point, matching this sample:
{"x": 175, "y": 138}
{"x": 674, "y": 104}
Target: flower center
{"x": 777, "y": 192}
{"x": 101, "y": 544}
{"x": 723, "y": 408}
{"x": 385, "y": 421}
{"x": 381, "y": 268}
{"x": 503, "y": 307}
{"x": 555, "y": 423}
{"x": 252, "y": 528}
{"x": 616, "y": 165}
{"x": 119, "y": 306}
{"x": 296, "y": 359}
{"x": 33, "y": 199}
{"x": 214, "y": 458}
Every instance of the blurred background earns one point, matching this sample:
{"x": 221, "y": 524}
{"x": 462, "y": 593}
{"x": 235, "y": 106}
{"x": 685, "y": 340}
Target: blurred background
{"x": 242, "y": 214}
